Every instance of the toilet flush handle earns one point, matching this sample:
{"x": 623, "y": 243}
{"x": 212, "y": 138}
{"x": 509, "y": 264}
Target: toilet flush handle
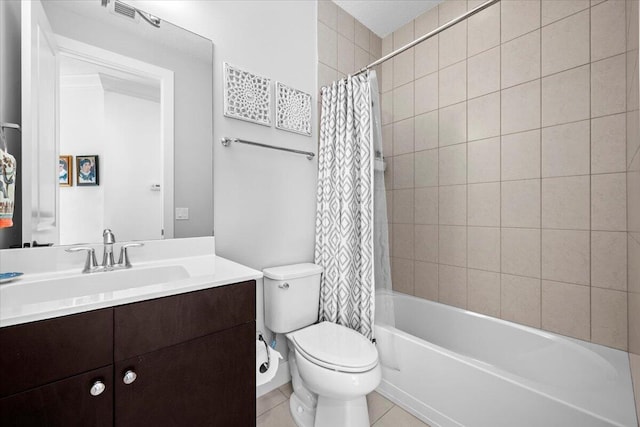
{"x": 284, "y": 286}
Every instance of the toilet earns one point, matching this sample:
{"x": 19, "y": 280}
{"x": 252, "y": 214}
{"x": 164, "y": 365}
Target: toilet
{"x": 333, "y": 367}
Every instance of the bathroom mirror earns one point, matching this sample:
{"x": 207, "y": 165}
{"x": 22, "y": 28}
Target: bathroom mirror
{"x": 130, "y": 92}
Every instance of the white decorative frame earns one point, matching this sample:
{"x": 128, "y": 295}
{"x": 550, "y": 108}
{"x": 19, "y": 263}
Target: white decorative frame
{"x": 246, "y": 96}
{"x": 293, "y": 110}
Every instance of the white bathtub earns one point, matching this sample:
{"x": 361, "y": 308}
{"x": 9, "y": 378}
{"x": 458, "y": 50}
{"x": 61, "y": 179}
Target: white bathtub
{"x": 452, "y": 367}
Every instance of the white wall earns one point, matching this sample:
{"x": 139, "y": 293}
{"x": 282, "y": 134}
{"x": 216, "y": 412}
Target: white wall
{"x": 82, "y": 133}
{"x": 10, "y": 107}
{"x": 264, "y": 199}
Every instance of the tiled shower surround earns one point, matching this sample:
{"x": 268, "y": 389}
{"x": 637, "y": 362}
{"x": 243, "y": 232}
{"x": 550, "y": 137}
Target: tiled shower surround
{"x": 506, "y": 146}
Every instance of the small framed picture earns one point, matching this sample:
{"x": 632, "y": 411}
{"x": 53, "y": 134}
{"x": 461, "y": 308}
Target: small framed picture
{"x": 65, "y": 171}
{"x": 87, "y": 172}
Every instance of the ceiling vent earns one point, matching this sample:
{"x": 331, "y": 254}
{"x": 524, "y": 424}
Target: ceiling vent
{"x": 123, "y": 10}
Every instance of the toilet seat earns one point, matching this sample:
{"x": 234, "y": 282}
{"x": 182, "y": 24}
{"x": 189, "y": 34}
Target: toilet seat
{"x": 335, "y": 347}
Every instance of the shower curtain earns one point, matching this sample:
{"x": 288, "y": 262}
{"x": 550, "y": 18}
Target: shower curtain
{"x": 345, "y": 207}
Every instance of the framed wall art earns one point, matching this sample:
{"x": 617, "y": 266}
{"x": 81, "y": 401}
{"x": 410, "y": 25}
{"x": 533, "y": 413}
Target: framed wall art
{"x": 293, "y": 110}
{"x": 87, "y": 169}
{"x": 65, "y": 171}
{"x": 247, "y": 96}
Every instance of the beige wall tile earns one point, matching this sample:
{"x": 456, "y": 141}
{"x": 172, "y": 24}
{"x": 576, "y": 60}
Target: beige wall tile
{"x": 452, "y": 165}
{"x": 633, "y": 266}
{"x": 346, "y": 24}
{"x": 361, "y": 58}
{"x": 520, "y": 251}
{"x": 608, "y": 35}
{"x": 390, "y": 230}
{"x": 426, "y": 205}
{"x": 387, "y": 44}
{"x": 389, "y": 200}
{"x": 566, "y": 309}
{"x": 519, "y": 17}
{"x": 633, "y": 198}
{"x": 426, "y": 22}
{"x": 484, "y": 117}
{"x": 520, "y": 299}
{"x": 521, "y": 155}
{"x": 403, "y": 68}
{"x": 375, "y": 45}
{"x": 386, "y": 78}
{"x": 426, "y": 96}
{"x": 452, "y": 124}
{"x": 327, "y": 46}
{"x": 521, "y": 60}
{"x": 387, "y": 142}
{"x": 483, "y": 292}
{"x": 426, "y": 168}
{"x": 426, "y": 280}
{"x": 608, "y": 202}
{"x": 452, "y": 45}
{"x": 565, "y": 43}
{"x": 326, "y": 75}
{"x": 520, "y": 106}
{"x": 565, "y": 97}
{"x": 426, "y": 131}
{"x": 632, "y": 25}
{"x": 521, "y": 203}
{"x": 552, "y": 10}
{"x": 565, "y": 203}
{"x": 484, "y": 160}
{"x": 634, "y": 322}
{"x": 426, "y": 243}
{"x": 484, "y": 204}
{"x": 608, "y": 86}
{"x": 403, "y": 102}
{"x": 361, "y": 36}
{"x": 451, "y": 9}
{"x": 484, "y": 30}
{"x": 483, "y": 248}
{"x": 388, "y": 174}
{"x": 609, "y": 318}
{"x": 484, "y": 73}
{"x": 346, "y": 55}
{"x": 402, "y": 277}
{"x": 452, "y": 286}
{"x": 565, "y": 256}
{"x": 609, "y": 260}
{"x": 403, "y": 241}
{"x": 452, "y": 245}
{"x": 403, "y": 206}
{"x": 453, "y": 205}
{"x": 403, "y": 137}
{"x": 633, "y": 92}
{"x": 452, "y": 87}
{"x": 403, "y": 171}
{"x": 403, "y": 35}
{"x": 565, "y": 150}
{"x": 608, "y": 144}
{"x": 328, "y": 13}
{"x": 633, "y": 136}
{"x": 426, "y": 57}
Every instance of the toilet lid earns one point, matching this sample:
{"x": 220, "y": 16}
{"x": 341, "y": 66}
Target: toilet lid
{"x": 336, "y": 347}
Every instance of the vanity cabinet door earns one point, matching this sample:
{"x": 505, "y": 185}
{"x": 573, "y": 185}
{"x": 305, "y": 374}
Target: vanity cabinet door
{"x": 208, "y": 381}
{"x": 64, "y": 403}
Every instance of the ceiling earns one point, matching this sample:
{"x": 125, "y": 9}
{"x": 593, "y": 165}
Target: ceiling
{"x": 385, "y": 16}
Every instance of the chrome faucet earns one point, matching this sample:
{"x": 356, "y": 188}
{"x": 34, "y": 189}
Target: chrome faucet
{"x": 108, "y": 262}
{"x": 107, "y": 257}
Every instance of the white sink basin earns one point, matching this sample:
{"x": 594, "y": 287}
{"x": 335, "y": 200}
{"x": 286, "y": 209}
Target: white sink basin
{"x": 81, "y": 285}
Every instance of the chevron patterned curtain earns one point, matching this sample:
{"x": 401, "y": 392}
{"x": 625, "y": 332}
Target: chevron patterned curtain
{"x": 344, "y": 220}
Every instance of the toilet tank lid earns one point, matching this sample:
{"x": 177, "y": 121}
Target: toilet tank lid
{"x": 294, "y": 271}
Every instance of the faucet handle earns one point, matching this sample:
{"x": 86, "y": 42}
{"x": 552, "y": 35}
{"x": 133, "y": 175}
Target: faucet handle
{"x": 108, "y": 237}
{"x": 124, "y": 254}
{"x": 90, "y": 262}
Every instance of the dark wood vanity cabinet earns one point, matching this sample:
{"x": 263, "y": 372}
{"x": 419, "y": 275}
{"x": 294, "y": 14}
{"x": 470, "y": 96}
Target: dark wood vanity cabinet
{"x": 183, "y": 360}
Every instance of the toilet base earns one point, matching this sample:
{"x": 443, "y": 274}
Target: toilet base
{"x": 342, "y": 413}
{"x": 301, "y": 414}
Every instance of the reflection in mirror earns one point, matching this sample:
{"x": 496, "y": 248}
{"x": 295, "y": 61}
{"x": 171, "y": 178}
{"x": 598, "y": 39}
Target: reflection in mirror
{"x": 140, "y": 98}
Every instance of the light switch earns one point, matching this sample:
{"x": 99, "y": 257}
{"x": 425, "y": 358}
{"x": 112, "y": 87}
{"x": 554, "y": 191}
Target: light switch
{"x": 182, "y": 213}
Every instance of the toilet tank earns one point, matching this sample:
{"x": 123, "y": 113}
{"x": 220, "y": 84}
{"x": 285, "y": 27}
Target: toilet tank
{"x": 291, "y": 296}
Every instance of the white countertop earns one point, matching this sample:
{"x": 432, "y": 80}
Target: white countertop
{"x": 205, "y": 271}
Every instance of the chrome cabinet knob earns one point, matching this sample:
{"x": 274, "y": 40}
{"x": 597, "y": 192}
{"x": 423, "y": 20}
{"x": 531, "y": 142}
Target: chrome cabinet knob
{"x": 129, "y": 377}
{"x": 97, "y": 388}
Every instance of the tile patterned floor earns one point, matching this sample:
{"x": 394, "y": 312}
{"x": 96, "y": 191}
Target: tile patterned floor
{"x": 273, "y": 411}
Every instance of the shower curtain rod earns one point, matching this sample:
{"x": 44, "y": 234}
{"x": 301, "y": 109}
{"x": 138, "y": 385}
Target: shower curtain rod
{"x": 441, "y": 28}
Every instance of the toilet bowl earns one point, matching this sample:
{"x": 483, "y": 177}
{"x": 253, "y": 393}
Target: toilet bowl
{"x": 333, "y": 367}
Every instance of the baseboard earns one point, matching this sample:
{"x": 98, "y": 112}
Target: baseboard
{"x": 282, "y": 377}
